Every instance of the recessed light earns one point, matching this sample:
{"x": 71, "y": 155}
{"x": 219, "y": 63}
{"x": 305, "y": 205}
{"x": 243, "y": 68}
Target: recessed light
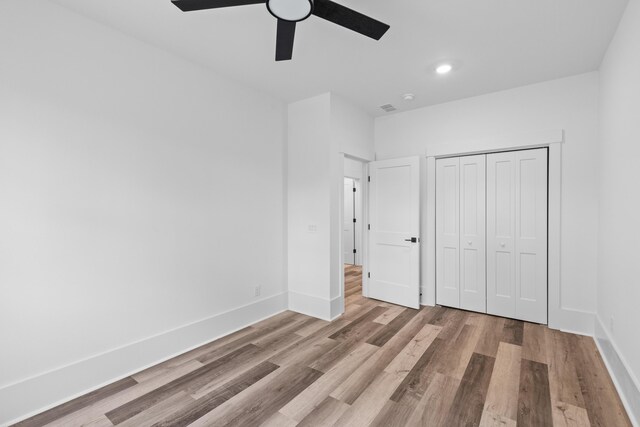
{"x": 444, "y": 69}
{"x": 408, "y": 97}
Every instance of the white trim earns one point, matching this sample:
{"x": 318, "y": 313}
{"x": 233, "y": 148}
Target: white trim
{"x": 498, "y": 143}
{"x": 626, "y": 383}
{"x": 559, "y": 316}
{"x": 312, "y": 305}
{"x": 33, "y": 395}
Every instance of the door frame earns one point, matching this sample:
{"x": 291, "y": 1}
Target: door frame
{"x": 558, "y": 317}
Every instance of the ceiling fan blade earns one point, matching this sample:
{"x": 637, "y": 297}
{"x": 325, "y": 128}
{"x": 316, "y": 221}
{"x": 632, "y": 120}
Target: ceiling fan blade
{"x": 190, "y": 5}
{"x": 284, "y": 40}
{"x": 348, "y": 18}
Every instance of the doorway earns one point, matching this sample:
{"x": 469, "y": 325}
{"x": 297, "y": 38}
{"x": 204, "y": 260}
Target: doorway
{"x": 352, "y": 231}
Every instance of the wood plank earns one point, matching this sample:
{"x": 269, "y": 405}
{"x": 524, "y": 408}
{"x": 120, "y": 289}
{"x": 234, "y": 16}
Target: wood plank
{"x": 565, "y": 415}
{"x": 534, "y": 399}
{"x": 534, "y": 346}
{"x": 389, "y": 315}
{"x": 326, "y": 414}
{"x": 189, "y": 383}
{"x": 352, "y": 328}
{"x": 602, "y": 402}
{"x": 468, "y": 403}
{"x": 502, "y": 396}
{"x": 418, "y": 379}
{"x": 76, "y": 404}
{"x": 513, "y": 332}
{"x": 407, "y": 358}
{"x": 489, "y": 336}
{"x": 279, "y": 420}
{"x": 563, "y": 378}
{"x": 435, "y": 403}
{"x": 260, "y": 403}
{"x": 388, "y": 331}
{"x": 305, "y": 402}
{"x": 157, "y": 412}
{"x": 196, "y": 409}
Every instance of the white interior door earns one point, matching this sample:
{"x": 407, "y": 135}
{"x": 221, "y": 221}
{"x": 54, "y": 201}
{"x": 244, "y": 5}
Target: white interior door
{"x": 448, "y": 232}
{"x": 517, "y": 235}
{"x": 473, "y": 286}
{"x": 348, "y": 229}
{"x": 394, "y": 215}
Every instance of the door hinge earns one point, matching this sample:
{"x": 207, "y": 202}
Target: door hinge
{"x": 354, "y": 251}
{"x": 354, "y": 189}
{"x": 369, "y": 275}
{"x": 354, "y": 220}
{"x": 368, "y": 226}
{"x": 368, "y": 179}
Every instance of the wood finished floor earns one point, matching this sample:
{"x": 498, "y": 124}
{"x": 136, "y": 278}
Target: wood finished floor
{"x": 379, "y": 364}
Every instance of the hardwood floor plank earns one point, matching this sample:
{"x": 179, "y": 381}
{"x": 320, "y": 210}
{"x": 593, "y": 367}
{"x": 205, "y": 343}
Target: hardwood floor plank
{"x": 76, "y": 404}
{"x": 326, "y": 414}
{"x": 433, "y": 407}
{"x": 407, "y": 358}
{"x": 490, "y": 335}
{"x": 279, "y": 420}
{"x": 155, "y": 413}
{"x": 305, "y": 402}
{"x": 259, "y": 404}
{"x": 395, "y": 414}
{"x": 189, "y": 383}
{"x": 565, "y": 415}
{"x": 389, "y": 315}
{"x": 563, "y": 378}
{"x": 351, "y": 328}
{"x": 513, "y": 332}
{"x": 196, "y": 409}
{"x": 502, "y": 396}
{"x": 468, "y": 403}
{"x": 388, "y": 331}
{"x": 534, "y": 346}
{"x": 602, "y": 402}
{"x": 534, "y": 399}
{"x": 418, "y": 379}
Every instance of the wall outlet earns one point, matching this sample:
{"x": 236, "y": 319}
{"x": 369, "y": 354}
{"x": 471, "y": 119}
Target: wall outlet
{"x": 258, "y": 290}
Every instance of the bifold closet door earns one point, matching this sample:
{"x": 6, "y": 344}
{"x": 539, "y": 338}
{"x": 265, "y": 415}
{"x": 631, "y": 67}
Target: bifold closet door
{"x": 448, "y": 232}
{"x": 517, "y": 235}
{"x": 460, "y": 233}
{"x": 473, "y": 285}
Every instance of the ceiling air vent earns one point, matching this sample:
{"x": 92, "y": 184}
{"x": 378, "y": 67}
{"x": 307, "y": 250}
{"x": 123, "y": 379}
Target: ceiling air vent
{"x": 388, "y": 108}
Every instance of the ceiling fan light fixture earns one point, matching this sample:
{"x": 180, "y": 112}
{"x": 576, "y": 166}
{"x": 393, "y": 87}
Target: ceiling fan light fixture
{"x": 290, "y": 10}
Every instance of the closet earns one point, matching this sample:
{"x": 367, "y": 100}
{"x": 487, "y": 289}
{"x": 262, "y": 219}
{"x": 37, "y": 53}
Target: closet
{"x": 491, "y": 233}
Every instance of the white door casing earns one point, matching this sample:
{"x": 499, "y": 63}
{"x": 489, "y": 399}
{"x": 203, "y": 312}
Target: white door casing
{"x": 394, "y": 217}
{"x": 448, "y": 232}
{"x": 517, "y": 234}
{"x": 348, "y": 228}
{"x": 473, "y": 287}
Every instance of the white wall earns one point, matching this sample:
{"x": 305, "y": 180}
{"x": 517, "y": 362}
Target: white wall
{"x": 321, "y": 130}
{"x": 138, "y": 194}
{"x": 570, "y": 104}
{"x": 619, "y": 231}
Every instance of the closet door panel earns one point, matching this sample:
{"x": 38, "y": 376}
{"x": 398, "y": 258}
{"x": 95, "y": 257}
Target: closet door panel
{"x": 501, "y": 226}
{"x": 472, "y": 234}
{"x": 531, "y": 235}
{"x": 448, "y": 232}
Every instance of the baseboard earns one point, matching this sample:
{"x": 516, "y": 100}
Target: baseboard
{"x": 31, "y": 396}
{"x": 573, "y": 321}
{"x": 310, "y": 305}
{"x": 337, "y": 307}
{"x": 626, "y": 383}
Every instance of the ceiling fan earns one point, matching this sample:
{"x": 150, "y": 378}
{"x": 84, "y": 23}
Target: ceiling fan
{"x": 290, "y": 12}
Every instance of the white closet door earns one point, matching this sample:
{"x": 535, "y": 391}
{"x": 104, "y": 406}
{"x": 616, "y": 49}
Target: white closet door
{"x": 531, "y": 235}
{"x": 501, "y": 226}
{"x": 448, "y": 232}
{"x": 473, "y": 287}
{"x": 517, "y": 235}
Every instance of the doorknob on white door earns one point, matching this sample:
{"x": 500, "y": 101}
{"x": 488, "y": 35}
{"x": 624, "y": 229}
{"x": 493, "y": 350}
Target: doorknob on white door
{"x": 469, "y": 242}
{"x": 503, "y": 244}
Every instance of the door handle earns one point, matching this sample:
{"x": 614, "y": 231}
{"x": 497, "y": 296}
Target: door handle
{"x": 412, "y": 240}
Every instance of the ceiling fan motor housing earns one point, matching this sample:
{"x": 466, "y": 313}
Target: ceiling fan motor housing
{"x": 290, "y": 10}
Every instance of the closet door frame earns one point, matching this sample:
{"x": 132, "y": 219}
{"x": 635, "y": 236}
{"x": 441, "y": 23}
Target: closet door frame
{"x": 559, "y": 317}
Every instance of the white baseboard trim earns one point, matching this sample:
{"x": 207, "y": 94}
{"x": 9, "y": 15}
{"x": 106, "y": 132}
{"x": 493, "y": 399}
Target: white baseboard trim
{"x": 573, "y": 321}
{"x": 310, "y": 305}
{"x": 33, "y": 395}
{"x": 625, "y": 381}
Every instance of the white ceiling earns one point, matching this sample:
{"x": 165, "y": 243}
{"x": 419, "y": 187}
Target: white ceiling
{"x": 498, "y": 44}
